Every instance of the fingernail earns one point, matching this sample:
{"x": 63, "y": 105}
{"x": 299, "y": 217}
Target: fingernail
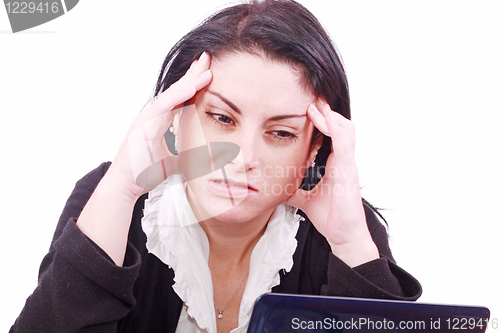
{"x": 314, "y": 109}
{"x": 203, "y": 56}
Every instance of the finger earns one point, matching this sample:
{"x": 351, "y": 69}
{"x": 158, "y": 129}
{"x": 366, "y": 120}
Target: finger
{"x": 340, "y": 129}
{"x": 151, "y": 161}
{"x": 197, "y": 77}
{"x": 197, "y": 67}
{"x": 325, "y": 110}
{"x": 180, "y": 92}
{"x": 317, "y": 119}
{"x": 342, "y": 137}
{"x": 317, "y": 113}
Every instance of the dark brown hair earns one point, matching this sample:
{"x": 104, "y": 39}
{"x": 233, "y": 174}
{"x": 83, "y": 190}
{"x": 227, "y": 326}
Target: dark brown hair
{"x": 282, "y": 30}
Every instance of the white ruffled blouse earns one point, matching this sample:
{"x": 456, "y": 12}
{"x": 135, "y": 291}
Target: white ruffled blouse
{"x": 176, "y": 238}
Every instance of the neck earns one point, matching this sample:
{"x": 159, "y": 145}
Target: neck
{"x": 232, "y": 243}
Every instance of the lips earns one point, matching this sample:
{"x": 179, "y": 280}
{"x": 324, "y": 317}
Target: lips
{"x": 230, "y": 188}
{"x": 233, "y": 183}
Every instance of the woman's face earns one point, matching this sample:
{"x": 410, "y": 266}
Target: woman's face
{"x": 257, "y": 107}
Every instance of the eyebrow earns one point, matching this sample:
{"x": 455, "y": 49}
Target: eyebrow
{"x": 225, "y": 100}
{"x": 238, "y": 111}
{"x": 286, "y": 116}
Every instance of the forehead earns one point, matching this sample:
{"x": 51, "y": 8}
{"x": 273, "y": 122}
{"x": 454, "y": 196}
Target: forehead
{"x": 255, "y": 82}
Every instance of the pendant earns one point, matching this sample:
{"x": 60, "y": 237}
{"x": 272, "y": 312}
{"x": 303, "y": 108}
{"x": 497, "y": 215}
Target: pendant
{"x": 220, "y": 315}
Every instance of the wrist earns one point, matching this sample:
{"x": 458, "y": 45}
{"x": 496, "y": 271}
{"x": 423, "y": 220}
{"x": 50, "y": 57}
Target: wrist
{"x": 107, "y": 215}
{"x": 121, "y": 185}
{"x": 357, "y": 252}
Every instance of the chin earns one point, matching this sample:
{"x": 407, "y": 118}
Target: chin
{"x": 226, "y": 212}
{"x": 242, "y": 212}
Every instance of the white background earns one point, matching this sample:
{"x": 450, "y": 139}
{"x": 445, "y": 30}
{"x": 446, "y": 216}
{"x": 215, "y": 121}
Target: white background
{"x": 424, "y": 80}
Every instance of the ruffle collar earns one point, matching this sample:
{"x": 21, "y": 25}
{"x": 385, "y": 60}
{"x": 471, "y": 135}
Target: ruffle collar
{"x": 177, "y": 239}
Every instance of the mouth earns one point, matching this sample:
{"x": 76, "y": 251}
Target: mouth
{"x": 230, "y": 188}
{"x": 233, "y": 183}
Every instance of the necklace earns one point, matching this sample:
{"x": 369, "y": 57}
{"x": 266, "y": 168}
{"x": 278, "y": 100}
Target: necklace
{"x": 221, "y": 311}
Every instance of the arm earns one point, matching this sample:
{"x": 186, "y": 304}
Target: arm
{"x": 86, "y": 281}
{"x": 317, "y": 271}
{"x": 142, "y": 163}
{"x": 334, "y": 205}
{"x": 380, "y": 278}
{"x": 359, "y": 262}
{"x": 79, "y": 286}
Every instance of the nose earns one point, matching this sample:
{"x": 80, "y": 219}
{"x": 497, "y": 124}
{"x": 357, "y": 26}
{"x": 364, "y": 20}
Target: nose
{"x": 249, "y": 153}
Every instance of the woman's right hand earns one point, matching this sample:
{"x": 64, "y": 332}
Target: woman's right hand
{"x": 144, "y": 160}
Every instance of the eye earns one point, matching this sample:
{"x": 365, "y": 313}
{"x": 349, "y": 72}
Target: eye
{"x": 220, "y": 119}
{"x": 283, "y": 136}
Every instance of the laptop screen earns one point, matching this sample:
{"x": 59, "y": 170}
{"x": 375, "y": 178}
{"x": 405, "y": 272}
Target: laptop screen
{"x": 300, "y": 313}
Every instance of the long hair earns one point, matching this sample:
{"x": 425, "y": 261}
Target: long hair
{"x": 282, "y": 30}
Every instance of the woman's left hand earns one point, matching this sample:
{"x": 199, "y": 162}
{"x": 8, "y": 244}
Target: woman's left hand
{"x": 335, "y": 205}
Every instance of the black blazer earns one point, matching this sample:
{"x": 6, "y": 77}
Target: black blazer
{"x": 80, "y": 289}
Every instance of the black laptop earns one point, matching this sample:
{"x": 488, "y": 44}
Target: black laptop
{"x": 300, "y": 313}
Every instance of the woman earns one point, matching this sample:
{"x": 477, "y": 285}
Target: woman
{"x": 156, "y": 242}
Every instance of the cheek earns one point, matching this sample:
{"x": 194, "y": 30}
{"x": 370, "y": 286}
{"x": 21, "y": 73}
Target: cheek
{"x": 289, "y": 168}
{"x": 297, "y": 155}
